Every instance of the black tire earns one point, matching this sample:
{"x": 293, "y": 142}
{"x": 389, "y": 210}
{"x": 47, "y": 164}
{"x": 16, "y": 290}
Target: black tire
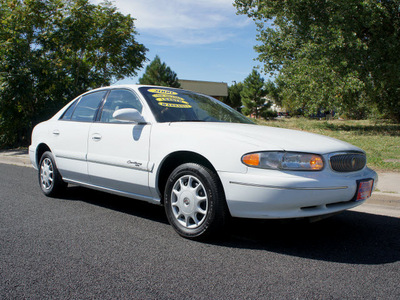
{"x": 50, "y": 180}
{"x": 194, "y": 202}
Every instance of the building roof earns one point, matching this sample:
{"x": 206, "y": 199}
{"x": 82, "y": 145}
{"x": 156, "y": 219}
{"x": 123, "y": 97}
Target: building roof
{"x": 210, "y": 88}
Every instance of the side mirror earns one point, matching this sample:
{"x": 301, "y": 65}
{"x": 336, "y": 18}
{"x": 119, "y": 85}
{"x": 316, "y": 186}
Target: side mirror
{"x": 128, "y": 114}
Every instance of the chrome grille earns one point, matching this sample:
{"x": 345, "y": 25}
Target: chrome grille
{"x": 348, "y": 162}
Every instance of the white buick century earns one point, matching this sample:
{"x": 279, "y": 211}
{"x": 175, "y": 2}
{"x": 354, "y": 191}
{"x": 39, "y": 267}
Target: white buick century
{"x": 199, "y": 158}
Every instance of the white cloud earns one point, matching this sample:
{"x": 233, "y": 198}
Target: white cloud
{"x": 186, "y": 14}
{"x": 183, "y": 21}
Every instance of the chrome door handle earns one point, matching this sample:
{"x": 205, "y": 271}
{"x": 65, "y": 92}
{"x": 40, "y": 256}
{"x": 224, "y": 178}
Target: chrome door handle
{"x": 96, "y": 137}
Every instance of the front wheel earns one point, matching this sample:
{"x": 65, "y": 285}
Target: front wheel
{"x": 50, "y": 180}
{"x": 194, "y": 201}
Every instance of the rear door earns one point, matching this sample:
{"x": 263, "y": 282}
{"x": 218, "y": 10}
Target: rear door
{"x": 118, "y": 152}
{"x": 70, "y": 136}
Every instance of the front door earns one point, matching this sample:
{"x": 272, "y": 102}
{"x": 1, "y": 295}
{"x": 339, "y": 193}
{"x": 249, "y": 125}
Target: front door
{"x": 118, "y": 152}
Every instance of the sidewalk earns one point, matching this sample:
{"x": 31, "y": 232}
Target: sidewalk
{"x": 15, "y": 157}
{"x": 388, "y": 183}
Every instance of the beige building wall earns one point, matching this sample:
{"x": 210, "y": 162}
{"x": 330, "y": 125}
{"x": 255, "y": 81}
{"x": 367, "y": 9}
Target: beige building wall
{"x": 217, "y": 90}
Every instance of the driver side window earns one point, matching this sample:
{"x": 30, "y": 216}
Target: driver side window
{"x": 118, "y": 99}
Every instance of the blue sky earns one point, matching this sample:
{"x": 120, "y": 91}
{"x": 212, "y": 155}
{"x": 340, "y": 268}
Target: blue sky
{"x": 197, "y": 39}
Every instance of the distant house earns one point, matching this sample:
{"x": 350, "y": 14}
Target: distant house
{"x": 271, "y": 104}
{"x": 217, "y": 90}
{"x": 274, "y": 106}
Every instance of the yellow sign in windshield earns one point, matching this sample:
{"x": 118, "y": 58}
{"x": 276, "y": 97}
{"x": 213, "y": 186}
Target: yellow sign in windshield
{"x": 164, "y": 97}
{"x": 174, "y": 105}
{"x": 169, "y": 99}
{"x": 159, "y": 91}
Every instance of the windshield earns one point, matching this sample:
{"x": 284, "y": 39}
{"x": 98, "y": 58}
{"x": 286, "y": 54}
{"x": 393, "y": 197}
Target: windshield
{"x": 174, "y": 105}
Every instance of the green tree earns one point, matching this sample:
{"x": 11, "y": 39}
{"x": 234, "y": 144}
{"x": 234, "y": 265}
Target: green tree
{"x": 53, "y": 50}
{"x": 253, "y": 95}
{"x": 273, "y": 91}
{"x": 158, "y": 73}
{"x": 331, "y": 54}
{"x": 234, "y": 99}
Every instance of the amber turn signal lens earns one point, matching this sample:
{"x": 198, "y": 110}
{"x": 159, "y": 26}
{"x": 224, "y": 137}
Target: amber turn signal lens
{"x": 252, "y": 159}
{"x": 316, "y": 163}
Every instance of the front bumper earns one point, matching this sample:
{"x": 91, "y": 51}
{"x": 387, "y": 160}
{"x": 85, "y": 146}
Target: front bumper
{"x": 271, "y": 194}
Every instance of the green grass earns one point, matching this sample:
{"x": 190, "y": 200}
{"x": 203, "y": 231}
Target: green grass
{"x": 380, "y": 140}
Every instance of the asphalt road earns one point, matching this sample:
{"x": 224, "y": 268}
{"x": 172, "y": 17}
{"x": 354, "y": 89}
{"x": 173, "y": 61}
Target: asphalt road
{"x": 94, "y": 245}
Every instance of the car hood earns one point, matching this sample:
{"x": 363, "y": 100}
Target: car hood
{"x": 261, "y": 138}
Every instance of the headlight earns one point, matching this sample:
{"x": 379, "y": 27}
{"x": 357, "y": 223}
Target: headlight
{"x": 284, "y": 161}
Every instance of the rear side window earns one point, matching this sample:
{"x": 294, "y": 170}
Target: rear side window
{"x": 68, "y": 113}
{"x": 86, "y": 108}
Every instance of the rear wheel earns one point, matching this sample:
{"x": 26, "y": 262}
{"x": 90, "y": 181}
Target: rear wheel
{"x": 194, "y": 201}
{"x": 50, "y": 180}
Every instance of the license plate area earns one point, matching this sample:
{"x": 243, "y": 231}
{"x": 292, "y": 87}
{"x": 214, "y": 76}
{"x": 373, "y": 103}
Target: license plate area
{"x": 364, "y": 189}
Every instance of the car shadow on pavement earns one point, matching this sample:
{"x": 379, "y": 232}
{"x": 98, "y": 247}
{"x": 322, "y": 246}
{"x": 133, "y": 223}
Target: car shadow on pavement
{"x": 117, "y": 203}
{"x": 349, "y": 237}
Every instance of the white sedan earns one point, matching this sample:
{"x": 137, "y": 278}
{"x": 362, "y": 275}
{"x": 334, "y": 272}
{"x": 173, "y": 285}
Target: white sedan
{"x": 199, "y": 158}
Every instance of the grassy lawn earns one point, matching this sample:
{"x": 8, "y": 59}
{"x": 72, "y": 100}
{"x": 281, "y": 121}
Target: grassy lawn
{"x": 381, "y": 141}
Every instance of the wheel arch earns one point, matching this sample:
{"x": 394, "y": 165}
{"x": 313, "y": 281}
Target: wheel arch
{"x": 176, "y": 159}
{"x": 40, "y": 149}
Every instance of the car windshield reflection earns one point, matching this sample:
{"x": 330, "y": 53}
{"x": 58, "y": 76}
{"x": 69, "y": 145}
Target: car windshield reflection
{"x": 174, "y": 105}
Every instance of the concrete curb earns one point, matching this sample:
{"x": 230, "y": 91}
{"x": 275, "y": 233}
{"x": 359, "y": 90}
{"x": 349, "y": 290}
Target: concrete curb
{"x": 18, "y": 157}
